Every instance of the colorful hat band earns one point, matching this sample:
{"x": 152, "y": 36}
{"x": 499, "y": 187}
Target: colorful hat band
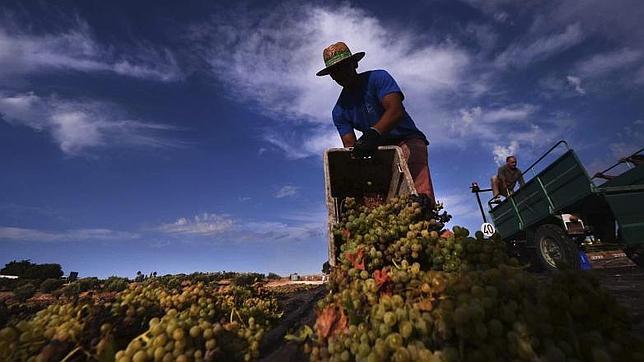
{"x": 338, "y": 57}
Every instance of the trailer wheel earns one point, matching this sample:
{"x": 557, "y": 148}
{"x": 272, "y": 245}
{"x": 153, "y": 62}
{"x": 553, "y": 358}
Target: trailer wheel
{"x": 555, "y": 249}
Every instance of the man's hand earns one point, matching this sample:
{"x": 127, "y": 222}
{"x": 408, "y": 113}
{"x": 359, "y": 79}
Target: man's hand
{"x": 349, "y": 139}
{"x": 367, "y": 144}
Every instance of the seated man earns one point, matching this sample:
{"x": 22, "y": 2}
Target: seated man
{"x": 506, "y": 179}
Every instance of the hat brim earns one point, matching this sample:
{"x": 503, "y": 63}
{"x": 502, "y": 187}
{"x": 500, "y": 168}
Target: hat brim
{"x": 357, "y": 56}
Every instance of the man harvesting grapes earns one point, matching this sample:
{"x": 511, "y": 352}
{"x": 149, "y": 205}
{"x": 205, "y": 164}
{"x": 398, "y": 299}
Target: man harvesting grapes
{"x": 371, "y": 102}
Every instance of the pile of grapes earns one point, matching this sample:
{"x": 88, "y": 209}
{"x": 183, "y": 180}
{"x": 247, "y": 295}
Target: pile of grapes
{"x": 406, "y": 290}
{"x": 149, "y": 321}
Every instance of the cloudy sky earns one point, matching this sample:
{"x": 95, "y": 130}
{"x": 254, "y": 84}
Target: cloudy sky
{"x": 169, "y": 137}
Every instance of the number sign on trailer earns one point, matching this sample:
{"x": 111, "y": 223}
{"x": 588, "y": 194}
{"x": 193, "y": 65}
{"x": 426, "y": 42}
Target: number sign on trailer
{"x": 487, "y": 229}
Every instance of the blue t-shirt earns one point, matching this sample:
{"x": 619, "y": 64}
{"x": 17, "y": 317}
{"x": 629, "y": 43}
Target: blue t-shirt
{"x": 360, "y": 108}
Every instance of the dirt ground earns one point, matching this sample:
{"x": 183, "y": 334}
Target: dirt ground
{"x": 626, "y": 284}
{"x": 299, "y": 309}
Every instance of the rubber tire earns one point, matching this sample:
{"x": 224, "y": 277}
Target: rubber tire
{"x": 568, "y": 247}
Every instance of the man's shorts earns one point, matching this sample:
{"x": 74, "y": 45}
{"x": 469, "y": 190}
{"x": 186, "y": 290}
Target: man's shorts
{"x": 415, "y": 153}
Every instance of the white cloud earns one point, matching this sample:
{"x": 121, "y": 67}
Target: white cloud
{"x": 497, "y": 9}
{"x": 564, "y": 87}
{"x": 320, "y": 138}
{"x": 76, "y": 50}
{"x": 604, "y": 63}
{"x": 485, "y": 36}
{"x": 204, "y": 224}
{"x": 502, "y": 152}
{"x": 272, "y": 62}
{"x": 291, "y": 150}
{"x": 286, "y": 191}
{"x": 80, "y": 125}
{"x": 486, "y": 124}
{"x": 616, "y": 21}
{"x": 459, "y": 204}
{"x": 525, "y": 51}
{"x": 501, "y": 17}
{"x": 522, "y": 125}
{"x": 24, "y": 234}
{"x": 279, "y": 231}
{"x": 576, "y": 83}
{"x": 297, "y": 227}
{"x": 512, "y": 113}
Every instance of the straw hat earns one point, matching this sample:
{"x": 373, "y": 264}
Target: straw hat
{"x": 336, "y": 53}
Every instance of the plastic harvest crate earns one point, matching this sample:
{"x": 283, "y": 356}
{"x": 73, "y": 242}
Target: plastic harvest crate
{"x": 385, "y": 174}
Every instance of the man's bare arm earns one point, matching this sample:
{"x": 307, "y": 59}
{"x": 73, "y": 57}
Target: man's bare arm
{"x": 349, "y": 139}
{"x": 393, "y": 114}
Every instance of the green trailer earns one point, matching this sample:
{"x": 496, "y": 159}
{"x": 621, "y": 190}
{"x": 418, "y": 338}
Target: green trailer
{"x": 560, "y": 210}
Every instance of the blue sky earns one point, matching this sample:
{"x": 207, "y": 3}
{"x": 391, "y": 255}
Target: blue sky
{"x": 169, "y": 137}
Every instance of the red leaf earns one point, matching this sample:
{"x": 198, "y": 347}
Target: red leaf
{"x": 342, "y": 323}
{"x": 381, "y": 277}
{"x": 357, "y": 258}
{"x": 446, "y": 234}
{"x": 325, "y": 321}
{"x": 331, "y": 321}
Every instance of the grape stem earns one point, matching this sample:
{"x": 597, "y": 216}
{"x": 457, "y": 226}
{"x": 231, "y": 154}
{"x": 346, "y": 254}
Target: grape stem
{"x": 232, "y": 313}
{"x": 72, "y": 353}
{"x": 143, "y": 337}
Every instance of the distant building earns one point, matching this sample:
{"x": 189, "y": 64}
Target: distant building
{"x": 2, "y": 276}
{"x": 308, "y": 278}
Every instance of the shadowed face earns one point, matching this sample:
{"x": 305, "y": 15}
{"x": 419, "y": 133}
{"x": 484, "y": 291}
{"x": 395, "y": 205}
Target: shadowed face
{"x": 512, "y": 163}
{"x": 344, "y": 74}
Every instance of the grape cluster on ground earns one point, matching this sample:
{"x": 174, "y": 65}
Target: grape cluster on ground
{"x": 189, "y": 318}
{"x": 407, "y": 290}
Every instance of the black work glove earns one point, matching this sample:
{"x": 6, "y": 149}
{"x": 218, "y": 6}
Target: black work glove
{"x": 367, "y": 144}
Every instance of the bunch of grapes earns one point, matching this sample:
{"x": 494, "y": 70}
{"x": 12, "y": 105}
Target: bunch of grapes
{"x": 62, "y": 323}
{"x": 174, "y": 337}
{"x": 149, "y": 321}
{"x": 139, "y": 303}
{"x": 203, "y": 324}
{"x": 404, "y": 289}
